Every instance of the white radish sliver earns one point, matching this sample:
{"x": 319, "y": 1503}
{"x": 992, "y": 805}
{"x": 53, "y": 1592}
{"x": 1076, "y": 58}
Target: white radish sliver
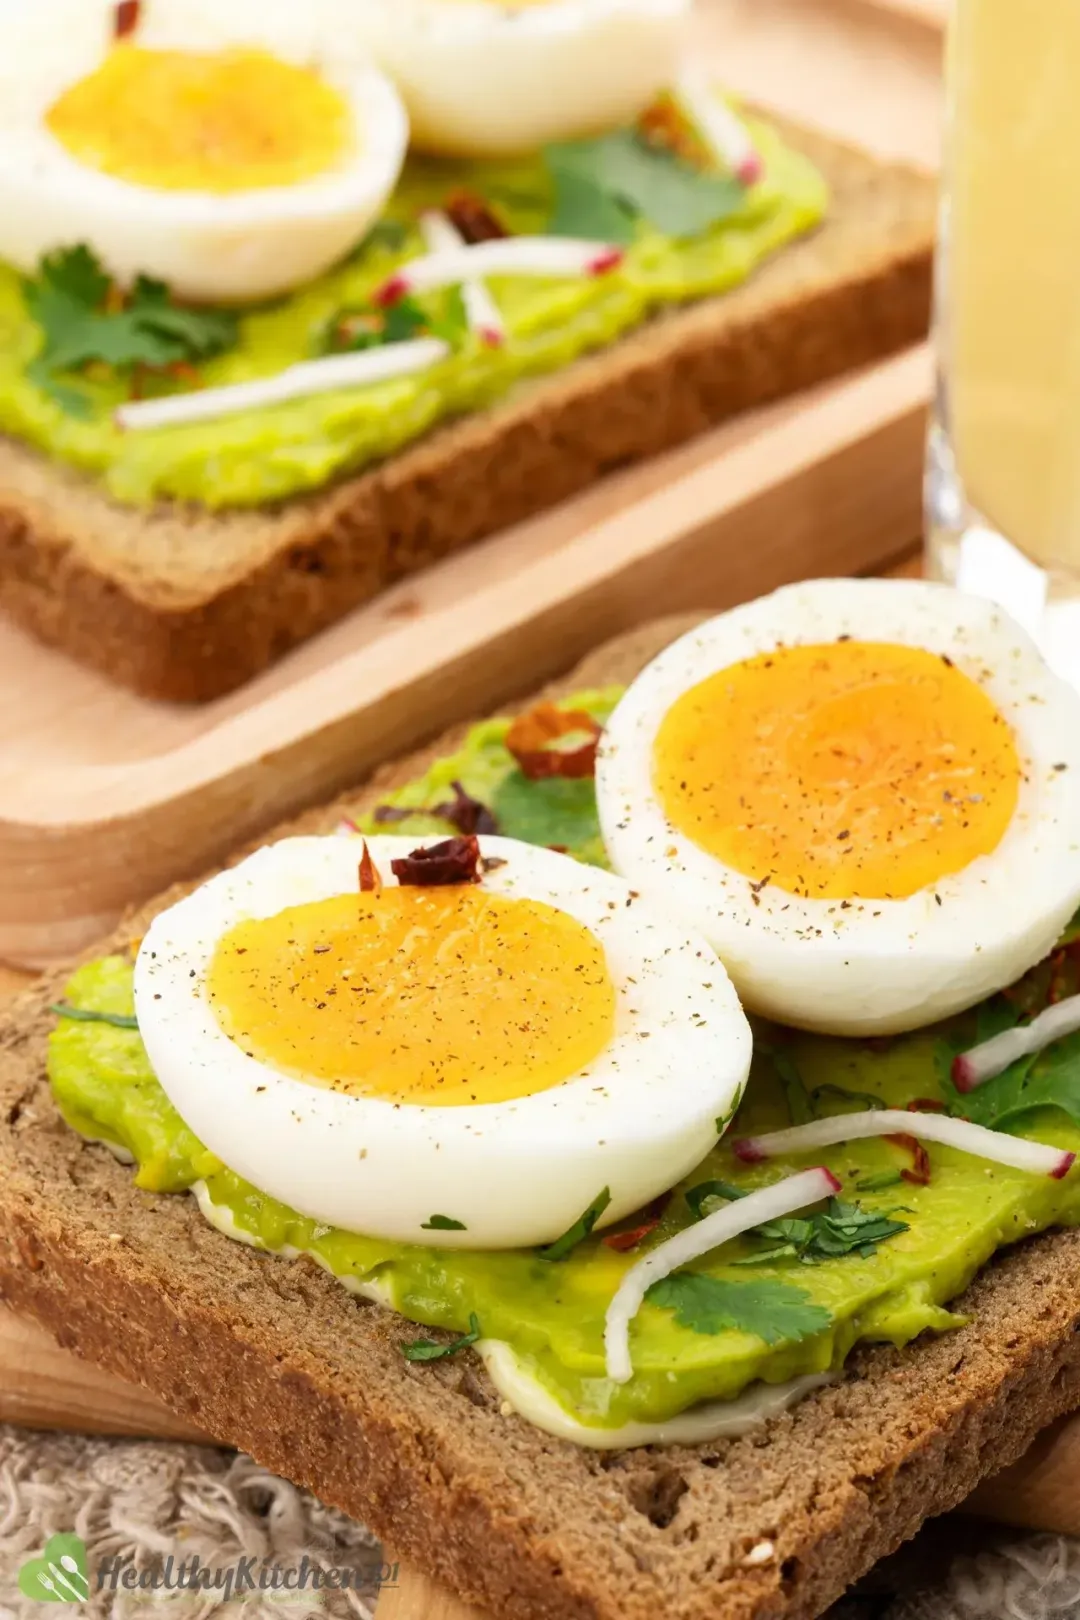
{"x": 723, "y": 133}
{"x": 510, "y": 256}
{"x": 993, "y": 1057}
{"x": 323, "y": 376}
{"x": 997, "y": 1146}
{"x": 767, "y": 1204}
{"x": 481, "y": 311}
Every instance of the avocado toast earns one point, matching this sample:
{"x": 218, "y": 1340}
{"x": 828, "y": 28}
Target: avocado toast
{"x": 277, "y": 1358}
{"x": 181, "y": 557}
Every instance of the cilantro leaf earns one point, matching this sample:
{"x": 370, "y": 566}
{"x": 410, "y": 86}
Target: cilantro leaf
{"x": 580, "y": 1230}
{"x": 557, "y": 810}
{"x": 68, "y": 301}
{"x": 600, "y": 184}
{"x": 365, "y": 327}
{"x": 774, "y": 1312}
{"x": 443, "y": 1223}
{"x": 830, "y": 1234}
{"x": 583, "y": 206}
{"x": 710, "y": 1193}
{"x": 432, "y": 1350}
{"x": 88, "y": 1015}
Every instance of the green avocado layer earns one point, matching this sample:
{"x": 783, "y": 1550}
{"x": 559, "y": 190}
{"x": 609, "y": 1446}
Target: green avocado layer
{"x": 552, "y": 1313}
{"x": 261, "y": 456}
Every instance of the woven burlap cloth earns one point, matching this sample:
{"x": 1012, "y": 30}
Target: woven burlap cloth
{"x": 144, "y": 1501}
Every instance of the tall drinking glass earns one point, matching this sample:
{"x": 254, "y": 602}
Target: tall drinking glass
{"x": 1003, "y": 475}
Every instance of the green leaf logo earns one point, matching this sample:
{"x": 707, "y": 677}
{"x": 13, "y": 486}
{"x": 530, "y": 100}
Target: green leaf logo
{"x": 59, "y": 1575}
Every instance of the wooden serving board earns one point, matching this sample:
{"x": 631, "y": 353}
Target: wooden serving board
{"x": 105, "y": 798}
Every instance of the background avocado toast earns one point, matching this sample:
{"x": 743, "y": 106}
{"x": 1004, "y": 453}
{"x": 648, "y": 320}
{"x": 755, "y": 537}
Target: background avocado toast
{"x": 276, "y": 1358}
{"x": 183, "y": 602}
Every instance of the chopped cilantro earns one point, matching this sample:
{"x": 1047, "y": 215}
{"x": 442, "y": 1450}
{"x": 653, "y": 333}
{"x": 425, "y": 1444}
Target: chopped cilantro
{"x": 580, "y": 1229}
{"x": 603, "y": 186}
{"x": 862, "y": 1099}
{"x": 69, "y": 300}
{"x": 431, "y": 1350}
{"x": 879, "y": 1182}
{"x": 830, "y": 1234}
{"x": 369, "y": 328}
{"x": 710, "y": 1193}
{"x": 800, "y": 1110}
{"x": 1046, "y": 1079}
{"x": 443, "y": 1223}
{"x": 390, "y": 234}
{"x": 774, "y": 1312}
{"x": 89, "y": 1015}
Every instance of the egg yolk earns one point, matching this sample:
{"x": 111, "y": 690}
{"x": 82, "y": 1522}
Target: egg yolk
{"x": 422, "y": 995}
{"x": 179, "y": 121}
{"x": 850, "y": 771}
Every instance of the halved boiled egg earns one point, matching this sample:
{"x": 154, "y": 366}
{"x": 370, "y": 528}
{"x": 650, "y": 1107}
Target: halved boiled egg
{"x": 231, "y": 172}
{"x": 470, "y": 1065}
{"x": 489, "y": 77}
{"x": 864, "y": 793}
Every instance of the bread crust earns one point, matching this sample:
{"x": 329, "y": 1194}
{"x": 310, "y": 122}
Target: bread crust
{"x": 184, "y": 604}
{"x": 275, "y": 1357}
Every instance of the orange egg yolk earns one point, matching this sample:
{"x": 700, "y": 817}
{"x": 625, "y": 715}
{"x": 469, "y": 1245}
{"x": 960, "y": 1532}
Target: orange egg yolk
{"x": 435, "y": 996}
{"x": 178, "y": 121}
{"x": 851, "y": 771}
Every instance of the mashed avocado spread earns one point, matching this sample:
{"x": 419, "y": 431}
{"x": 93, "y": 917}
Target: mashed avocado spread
{"x": 260, "y": 456}
{"x": 807, "y": 1312}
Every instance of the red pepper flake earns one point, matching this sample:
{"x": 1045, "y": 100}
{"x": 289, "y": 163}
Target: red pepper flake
{"x": 455, "y": 860}
{"x": 474, "y": 218}
{"x": 547, "y": 741}
{"x": 621, "y": 1242}
{"x": 126, "y": 18}
{"x": 370, "y": 881}
{"x": 919, "y": 1174}
{"x": 926, "y": 1105}
{"x": 663, "y": 124}
{"x": 464, "y": 812}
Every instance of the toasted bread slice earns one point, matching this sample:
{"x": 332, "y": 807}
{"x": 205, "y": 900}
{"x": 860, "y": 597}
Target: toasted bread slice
{"x": 185, "y": 604}
{"x": 275, "y": 1357}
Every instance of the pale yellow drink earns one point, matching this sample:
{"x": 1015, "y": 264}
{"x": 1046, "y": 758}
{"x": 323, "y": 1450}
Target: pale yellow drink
{"x": 1010, "y": 322}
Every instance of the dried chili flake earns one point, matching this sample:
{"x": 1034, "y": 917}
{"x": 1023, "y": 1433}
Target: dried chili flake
{"x": 455, "y": 860}
{"x": 370, "y": 881}
{"x": 919, "y": 1174}
{"x": 663, "y": 124}
{"x": 464, "y": 812}
{"x": 473, "y": 218}
{"x": 126, "y": 18}
{"x": 622, "y": 1242}
{"x": 547, "y": 741}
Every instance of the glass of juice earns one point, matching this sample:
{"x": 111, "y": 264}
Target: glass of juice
{"x": 1003, "y": 472}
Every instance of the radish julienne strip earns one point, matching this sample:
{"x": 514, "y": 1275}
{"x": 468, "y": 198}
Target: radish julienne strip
{"x": 442, "y": 235}
{"x": 723, "y": 133}
{"x": 510, "y": 256}
{"x": 332, "y": 372}
{"x": 1015, "y": 1151}
{"x": 766, "y": 1204}
{"x": 973, "y": 1068}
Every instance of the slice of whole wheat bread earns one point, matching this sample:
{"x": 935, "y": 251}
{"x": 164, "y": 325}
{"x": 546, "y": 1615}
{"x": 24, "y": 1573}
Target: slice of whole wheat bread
{"x": 184, "y": 604}
{"x": 275, "y": 1357}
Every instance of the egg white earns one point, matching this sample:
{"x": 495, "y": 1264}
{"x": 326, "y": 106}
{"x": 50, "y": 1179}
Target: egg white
{"x": 878, "y": 966}
{"x": 481, "y": 79}
{"x": 231, "y": 247}
{"x": 515, "y": 1173}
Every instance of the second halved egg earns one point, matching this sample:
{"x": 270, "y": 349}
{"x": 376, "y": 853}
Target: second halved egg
{"x": 864, "y": 793}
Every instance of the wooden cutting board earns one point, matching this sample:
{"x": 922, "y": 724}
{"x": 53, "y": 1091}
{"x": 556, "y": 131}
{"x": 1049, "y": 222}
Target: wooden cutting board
{"x": 106, "y": 797}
